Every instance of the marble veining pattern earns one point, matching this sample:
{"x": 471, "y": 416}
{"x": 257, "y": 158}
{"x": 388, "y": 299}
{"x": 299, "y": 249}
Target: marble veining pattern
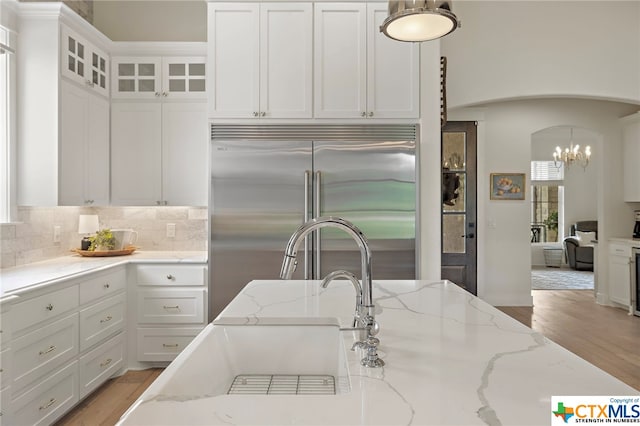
{"x": 450, "y": 359}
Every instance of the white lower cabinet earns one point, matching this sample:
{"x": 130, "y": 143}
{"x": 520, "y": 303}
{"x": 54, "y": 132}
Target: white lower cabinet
{"x": 60, "y": 343}
{"x": 43, "y": 350}
{"x": 101, "y": 320}
{"x": 171, "y": 308}
{"x": 164, "y": 344}
{"x": 620, "y": 273}
{"x": 47, "y": 400}
{"x": 101, "y": 363}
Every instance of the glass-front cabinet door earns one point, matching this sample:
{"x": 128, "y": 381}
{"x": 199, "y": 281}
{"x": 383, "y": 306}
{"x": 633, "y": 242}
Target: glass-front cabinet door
{"x": 136, "y": 77}
{"x": 83, "y": 62}
{"x": 159, "y": 77}
{"x": 184, "y": 77}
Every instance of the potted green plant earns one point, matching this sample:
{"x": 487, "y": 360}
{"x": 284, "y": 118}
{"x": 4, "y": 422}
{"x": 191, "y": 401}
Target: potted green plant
{"x": 102, "y": 241}
{"x": 551, "y": 222}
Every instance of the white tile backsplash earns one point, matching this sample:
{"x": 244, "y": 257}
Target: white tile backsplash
{"x": 31, "y": 238}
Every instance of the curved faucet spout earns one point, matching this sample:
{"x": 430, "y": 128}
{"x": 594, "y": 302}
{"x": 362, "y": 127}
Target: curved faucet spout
{"x": 356, "y": 285}
{"x": 289, "y": 262}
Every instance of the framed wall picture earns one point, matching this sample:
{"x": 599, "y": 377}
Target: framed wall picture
{"x": 507, "y": 186}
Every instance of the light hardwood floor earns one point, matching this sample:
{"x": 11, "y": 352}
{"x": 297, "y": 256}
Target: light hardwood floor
{"x": 607, "y": 337}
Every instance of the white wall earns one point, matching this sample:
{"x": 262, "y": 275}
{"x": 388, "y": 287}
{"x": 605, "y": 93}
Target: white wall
{"x": 151, "y": 20}
{"x": 505, "y": 146}
{"x": 510, "y": 49}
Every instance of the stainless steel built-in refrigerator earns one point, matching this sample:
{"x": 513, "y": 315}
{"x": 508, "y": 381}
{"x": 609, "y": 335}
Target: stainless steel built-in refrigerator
{"x": 268, "y": 180}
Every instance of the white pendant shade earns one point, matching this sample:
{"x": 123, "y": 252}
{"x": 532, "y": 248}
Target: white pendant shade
{"x": 419, "y": 20}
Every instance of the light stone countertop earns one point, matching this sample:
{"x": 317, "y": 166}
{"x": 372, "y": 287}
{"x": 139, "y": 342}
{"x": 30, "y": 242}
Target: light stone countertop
{"x": 17, "y": 280}
{"x": 451, "y": 359}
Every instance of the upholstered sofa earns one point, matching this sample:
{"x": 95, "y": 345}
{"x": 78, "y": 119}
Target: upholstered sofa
{"x": 578, "y": 246}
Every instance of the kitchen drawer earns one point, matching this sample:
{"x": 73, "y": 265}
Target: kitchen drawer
{"x": 164, "y": 344}
{"x": 39, "y": 352}
{"x": 103, "y": 284}
{"x": 100, "y": 364}
{"x": 5, "y": 370}
{"x": 620, "y": 249}
{"x": 43, "y": 308}
{"x": 170, "y": 306}
{"x": 101, "y": 320}
{"x": 5, "y": 329}
{"x": 163, "y": 275}
{"x": 48, "y": 400}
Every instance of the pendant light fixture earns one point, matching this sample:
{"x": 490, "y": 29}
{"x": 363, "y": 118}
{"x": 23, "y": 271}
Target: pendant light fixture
{"x": 419, "y": 20}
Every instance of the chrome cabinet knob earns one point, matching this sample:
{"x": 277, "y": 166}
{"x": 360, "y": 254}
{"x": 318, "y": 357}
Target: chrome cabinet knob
{"x": 170, "y": 277}
{"x": 263, "y": 114}
{"x": 157, "y": 94}
{"x": 371, "y": 114}
{"x": 363, "y": 114}
{"x": 49, "y": 307}
{"x": 255, "y": 113}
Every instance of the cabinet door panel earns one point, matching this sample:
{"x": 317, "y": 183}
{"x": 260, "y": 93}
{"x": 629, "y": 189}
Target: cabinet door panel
{"x": 393, "y": 84}
{"x": 136, "y": 77}
{"x": 184, "y": 77}
{"x": 233, "y": 75}
{"x": 136, "y": 153}
{"x": 74, "y": 115}
{"x": 286, "y": 60}
{"x": 340, "y": 60}
{"x": 184, "y": 154}
{"x": 97, "y": 151}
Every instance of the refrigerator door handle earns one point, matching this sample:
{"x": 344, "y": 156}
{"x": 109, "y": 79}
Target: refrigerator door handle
{"x": 307, "y": 258}
{"x": 316, "y": 214}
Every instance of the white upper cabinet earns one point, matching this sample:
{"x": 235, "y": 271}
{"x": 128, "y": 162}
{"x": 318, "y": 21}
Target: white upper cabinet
{"x": 631, "y": 150}
{"x": 83, "y": 62}
{"x": 359, "y": 72}
{"x": 84, "y": 147}
{"x": 63, "y": 109}
{"x": 137, "y": 77}
{"x": 159, "y": 153}
{"x": 261, "y": 60}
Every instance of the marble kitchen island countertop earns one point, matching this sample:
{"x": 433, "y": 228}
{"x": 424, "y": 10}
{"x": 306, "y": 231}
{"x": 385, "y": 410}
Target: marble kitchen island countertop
{"x": 451, "y": 359}
{"x": 28, "y": 277}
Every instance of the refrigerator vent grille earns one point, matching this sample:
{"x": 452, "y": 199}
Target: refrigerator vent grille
{"x": 382, "y": 132}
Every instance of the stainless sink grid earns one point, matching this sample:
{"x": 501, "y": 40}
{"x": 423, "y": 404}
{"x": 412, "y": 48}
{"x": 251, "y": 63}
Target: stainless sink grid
{"x": 282, "y": 384}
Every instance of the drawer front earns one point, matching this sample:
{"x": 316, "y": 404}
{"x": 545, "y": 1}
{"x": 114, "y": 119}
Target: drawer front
{"x": 620, "y": 250}
{"x": 5, "y": 329}
{"x": 100, "y": 364}
{"x": 40, "y": 352}
{"x": 43, "y": 308}
{"x": 5, "y": 371}
{"x": 48, "y": 400}
{"x": 171, "y": 306}
{"x": 102, "y": 285}
{"x": 164, "y": 344}
{"x": 163, "y": 275}
{"x": 101, "y": 320}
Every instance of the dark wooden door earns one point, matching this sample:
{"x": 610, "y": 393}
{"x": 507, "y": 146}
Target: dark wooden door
{"x": 459, "y": 199}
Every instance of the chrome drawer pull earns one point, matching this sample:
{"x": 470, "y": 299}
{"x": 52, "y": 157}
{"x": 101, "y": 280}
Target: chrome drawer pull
{"x": 107, "y": 319}
{"x": 171, "y": 277}
{"x": 48, "y": 404}
{"x": 172, "y": 307}
{"x": 50, "y": 349}
{"x": 106, "y": 285}
{"x": 107, "y": 362}
{"x": 164, "y": 345}
{"x": 49, "y": 307}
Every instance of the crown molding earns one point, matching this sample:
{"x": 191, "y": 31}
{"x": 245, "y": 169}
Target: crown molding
{"x": 62, "y": 12}
{"x": 153, "y": 48}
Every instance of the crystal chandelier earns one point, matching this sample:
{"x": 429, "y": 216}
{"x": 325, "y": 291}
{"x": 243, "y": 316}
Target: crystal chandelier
{"x": 571, "y": 155}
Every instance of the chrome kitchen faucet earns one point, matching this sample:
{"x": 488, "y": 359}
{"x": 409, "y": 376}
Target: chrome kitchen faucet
{"x": 365, "y": 310}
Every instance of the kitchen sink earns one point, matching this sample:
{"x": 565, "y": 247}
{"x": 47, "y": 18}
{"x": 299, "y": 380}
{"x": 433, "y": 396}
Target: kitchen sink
{"x": 289, "y": 357}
